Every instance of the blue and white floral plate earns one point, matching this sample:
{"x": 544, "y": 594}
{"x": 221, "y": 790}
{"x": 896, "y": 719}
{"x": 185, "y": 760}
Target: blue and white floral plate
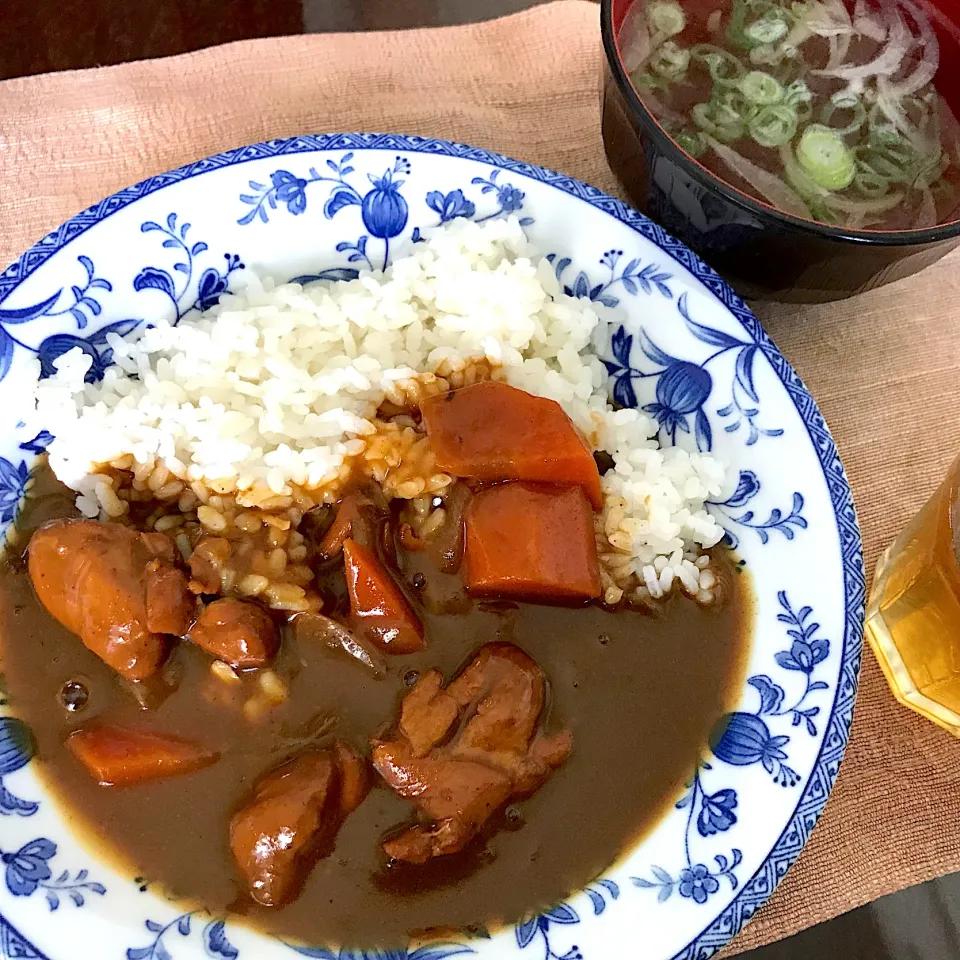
{"x": 685, "y": 348}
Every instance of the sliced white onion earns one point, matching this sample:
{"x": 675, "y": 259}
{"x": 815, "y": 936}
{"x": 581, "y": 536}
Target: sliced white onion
{"x": 313, "y": 628}
{"x": 863, "y": 207}
{"x": 926, "y": 69}
{"x": 886, "y": 63}
{"x": 769, "y": 186}
{"x": 890, "y": 107}
{"x": 868, "y": 22}
{"x": 634, "y": 39}
{"x": 839, "y": 48}
{"x": 927, "y": 215}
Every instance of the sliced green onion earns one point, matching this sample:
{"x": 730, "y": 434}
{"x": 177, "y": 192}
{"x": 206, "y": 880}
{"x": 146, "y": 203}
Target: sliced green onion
{"x": 691, "y": 141}
{"x": 825, "y": 158}
{"x": 841, "y": 102}
{"x": 767, "y": 30}
{"x": 670, "y": 61}
{"x": 724, "y": 67}
{"x": 774, "y": 125}
{"x": 766, "y": 55}
{"x": 797, "y": 92}
{"x": 869, "y": 183}
{"x": 760, "y": 88}
{"x": 719, "y": 120}
{"x": 666, "y": 17}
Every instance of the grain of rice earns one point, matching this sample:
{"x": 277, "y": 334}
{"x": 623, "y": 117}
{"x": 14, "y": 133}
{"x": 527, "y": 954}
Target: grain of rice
{"x": 169, "y": 522}
{"x": 612, "y": 595}
{"x": 183, "y": 545}
{"x": 248, "y": 522}
{"x": 274, "y": 688}
{"x": 200, "y": 491}
{"x": 158, "y": 478}
{"x": 651, "y": 581}
{"x": 252, "y": 585}
{"x": 280, "y": 595}
{"x": 280, "y": 523}
{"x": 215, "y": 522}
{"x": 224, "y": 672}
{"x": 299, "y": 574}
{"x": 277, "y": 562}
{"x": 170, "y": 490}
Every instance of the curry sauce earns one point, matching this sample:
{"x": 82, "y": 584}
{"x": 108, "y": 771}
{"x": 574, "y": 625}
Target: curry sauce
{"x": 639, "y": 690}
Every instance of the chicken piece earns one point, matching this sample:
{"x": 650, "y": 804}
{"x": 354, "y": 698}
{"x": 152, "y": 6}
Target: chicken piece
{"x": 496, "y": 755}
{"x": 291, "y": 819}
{"x": 238, "y": 632}
{"x": 117, "y": 589}
{"x": 427, "y": 713}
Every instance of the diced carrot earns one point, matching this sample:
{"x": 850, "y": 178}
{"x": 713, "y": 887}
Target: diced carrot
{"x": 532, "y": 541}
{"x": 377, "y": 603}
{"x": 117, "y": 756}
{"x": 491, "y": 431}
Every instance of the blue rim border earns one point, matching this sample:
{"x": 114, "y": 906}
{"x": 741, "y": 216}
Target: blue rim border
{"x": 813, "y": 799}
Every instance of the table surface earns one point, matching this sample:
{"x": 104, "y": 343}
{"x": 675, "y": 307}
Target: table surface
{"x": 920, "y": 923}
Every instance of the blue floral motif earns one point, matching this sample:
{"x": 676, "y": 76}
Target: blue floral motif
{"x": 696, "y": 881}
{"x": 39, "y": 443}
{"x": 212, "y": 934}
{"x": 384, "y": 211}
{"x": 684, "y": 387}
{"x": 430, "y": 951}
{"x": 451, "y": 205}
{"x": 631, "y": 277}
{"x": 716, "y": 812}
{"x": 746, "y": 739}
{"x": 84, "y": 302}
{"x": 564, "y": 915}
{"x": 741, "y": 740}
{"x": 509, "y": 198}
{"x": 28, "y": 869}
{"x": 13, "y": 487}
{"x": 177, "y": 289}
{"x": 17, "y": 749}
{"x": 748, "y": 487}
{"x": 94, "y": 346}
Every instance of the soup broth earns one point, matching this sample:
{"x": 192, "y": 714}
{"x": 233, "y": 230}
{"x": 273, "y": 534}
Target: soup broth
{"x": 823, "y": 110}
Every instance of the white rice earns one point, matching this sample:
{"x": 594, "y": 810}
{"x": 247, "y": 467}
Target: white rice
{"x": 279, "y": 383}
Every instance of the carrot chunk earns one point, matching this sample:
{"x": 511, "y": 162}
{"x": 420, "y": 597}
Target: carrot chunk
{"x": 531, "y": 541}
{"x": 491, "y": 431}
{"x": 117, "y": 756}
{"x": 377, "y": 603}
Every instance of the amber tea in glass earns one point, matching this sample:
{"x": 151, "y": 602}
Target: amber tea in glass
{"x": 913, "y": 617}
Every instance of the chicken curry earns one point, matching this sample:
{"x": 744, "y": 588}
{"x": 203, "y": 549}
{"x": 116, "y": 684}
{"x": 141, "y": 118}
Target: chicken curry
{"x": 409, "y": 755}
